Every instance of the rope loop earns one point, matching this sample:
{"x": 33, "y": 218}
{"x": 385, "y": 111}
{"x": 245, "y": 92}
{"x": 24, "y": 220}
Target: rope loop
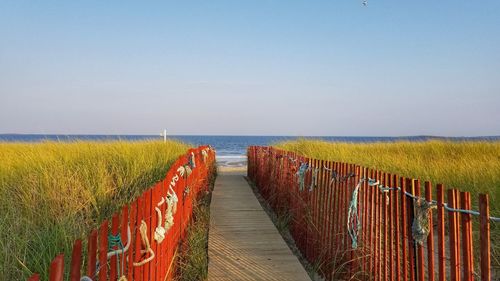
{"x": 143, "y": 229}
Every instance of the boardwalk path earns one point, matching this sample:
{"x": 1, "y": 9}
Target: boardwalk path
{"x": 243, "y": 242}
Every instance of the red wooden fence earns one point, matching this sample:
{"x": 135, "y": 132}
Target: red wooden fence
{"x": 386, "y": 248}
{"x": 187, "y": 177}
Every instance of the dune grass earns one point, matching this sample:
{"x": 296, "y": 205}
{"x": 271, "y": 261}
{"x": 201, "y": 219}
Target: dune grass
{"x": 52, "y": 193}
{"x": 467, "y": 166}
{"x": 192, "y": 262}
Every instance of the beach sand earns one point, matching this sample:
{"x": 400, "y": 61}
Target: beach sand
{"x": 232, "y": 169}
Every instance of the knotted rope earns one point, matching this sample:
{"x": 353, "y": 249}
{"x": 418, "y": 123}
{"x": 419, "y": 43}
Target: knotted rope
{"x": 188, "y": 170}
{"x": 314, "y": 180}
{"x": 335, "y": 178}
{"x": 159, "y": 231}
{"x": 145, "y": 242}
{"x": 113, "y": 241}
{"x": 420, "y": 225}
{"x": 123, "y": 249}
{"x": 174, "y": 200}
{"x": 204, "y": 153}
{"x": 353, "y": 220}
{"x": 301, "y": 173}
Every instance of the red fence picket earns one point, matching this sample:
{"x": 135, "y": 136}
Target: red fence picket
{"x": 389, "y": 208}
{"x": 187, "y": 177}
{"x": 76, "y": 261}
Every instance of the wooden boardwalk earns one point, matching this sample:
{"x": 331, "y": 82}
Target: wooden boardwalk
{"x": 243, "y": 242}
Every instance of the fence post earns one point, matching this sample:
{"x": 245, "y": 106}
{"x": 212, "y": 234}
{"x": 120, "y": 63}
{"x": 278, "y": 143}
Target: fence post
{"x": 404, "y": 229}
{"x": 113, "y": 262}
{"x": 484, "y": 210}
{"x": 76, "y": 261}
{"x": 56, "y": 270}
{"x": 430, "y": 237}
{"x": 453, "y": 239}
{"x": 467, "y": 256}
{"x": 419, "y": 249}
{"x": 441, "y": 226}
{"x": 92, "y": 254}
{"x": 397, "y": 229}
{"x": 103, "y": 251}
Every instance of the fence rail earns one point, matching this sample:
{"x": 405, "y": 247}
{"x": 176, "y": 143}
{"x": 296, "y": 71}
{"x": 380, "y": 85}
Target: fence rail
{"x": 143, "y": 238}
{"x": 356, "y": 223}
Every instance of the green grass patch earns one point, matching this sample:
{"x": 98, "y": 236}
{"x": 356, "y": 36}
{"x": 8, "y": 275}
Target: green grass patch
{"x": 52, "y": 193}
{"x": 192, "y": 262}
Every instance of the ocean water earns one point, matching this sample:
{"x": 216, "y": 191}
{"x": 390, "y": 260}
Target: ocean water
{"x": 231, "y": 150}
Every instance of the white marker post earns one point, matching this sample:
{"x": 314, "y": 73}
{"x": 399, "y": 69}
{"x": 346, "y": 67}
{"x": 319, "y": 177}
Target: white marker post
{"x": 164, "y": 135}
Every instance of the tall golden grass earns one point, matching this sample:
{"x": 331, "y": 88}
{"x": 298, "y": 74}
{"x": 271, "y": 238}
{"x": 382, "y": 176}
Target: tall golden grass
{"x": 467, "y": 166}
{"x": 52, "y": 193}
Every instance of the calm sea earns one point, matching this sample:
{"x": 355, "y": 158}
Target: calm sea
{"x": 231, "y": 150}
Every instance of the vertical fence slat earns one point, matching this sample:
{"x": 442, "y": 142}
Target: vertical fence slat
{"x": 137, "y": 248}
{"x": 125, "y": 239}
{"x": 391, "y": 233}
{"x": 373, "y": 226}
{"x": 484, "y": 210}
{"x": 398, "y": 234}
{"x": 404, "y": 228}
{"x": 386, "y": 227}
{"x": 380, "y": 226}
{"x": 420, "y": 249}
{"x": 457, "y": 235}
{"x": 132, "y": 250}
{"x": 103, "y": 251}
{"x": 452, "y": 225}
{"x": 115, "y": 221}
{"x": 468, "y": 269}
{"x": 147, "y": 219}
{"x": 430, "y": 237}
{"x": 331, "y": 217}
{"x": 441, "y": 232}
{"x": 56, "y": 269}
{"x": 152, "y": 241}
{"x": 76, "y": 261}
{"x": 412, "y": 254}
{"x": 92, "y": 254}
{"x": 364, "y": 221}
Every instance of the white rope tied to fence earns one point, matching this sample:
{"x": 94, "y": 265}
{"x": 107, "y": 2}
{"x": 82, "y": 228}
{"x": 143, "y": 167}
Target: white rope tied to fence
{"x": 159, "y": 234}
{"x": 174, "y": 199}
{"x": 192, "y": 160}
{"x": 171, "y": 200}
{"x": 204, "y": 153}
{"x": 143, "y": 229}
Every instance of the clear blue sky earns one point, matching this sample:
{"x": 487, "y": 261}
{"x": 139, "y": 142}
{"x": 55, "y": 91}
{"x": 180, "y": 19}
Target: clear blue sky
{"x": 250, "y": 67}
